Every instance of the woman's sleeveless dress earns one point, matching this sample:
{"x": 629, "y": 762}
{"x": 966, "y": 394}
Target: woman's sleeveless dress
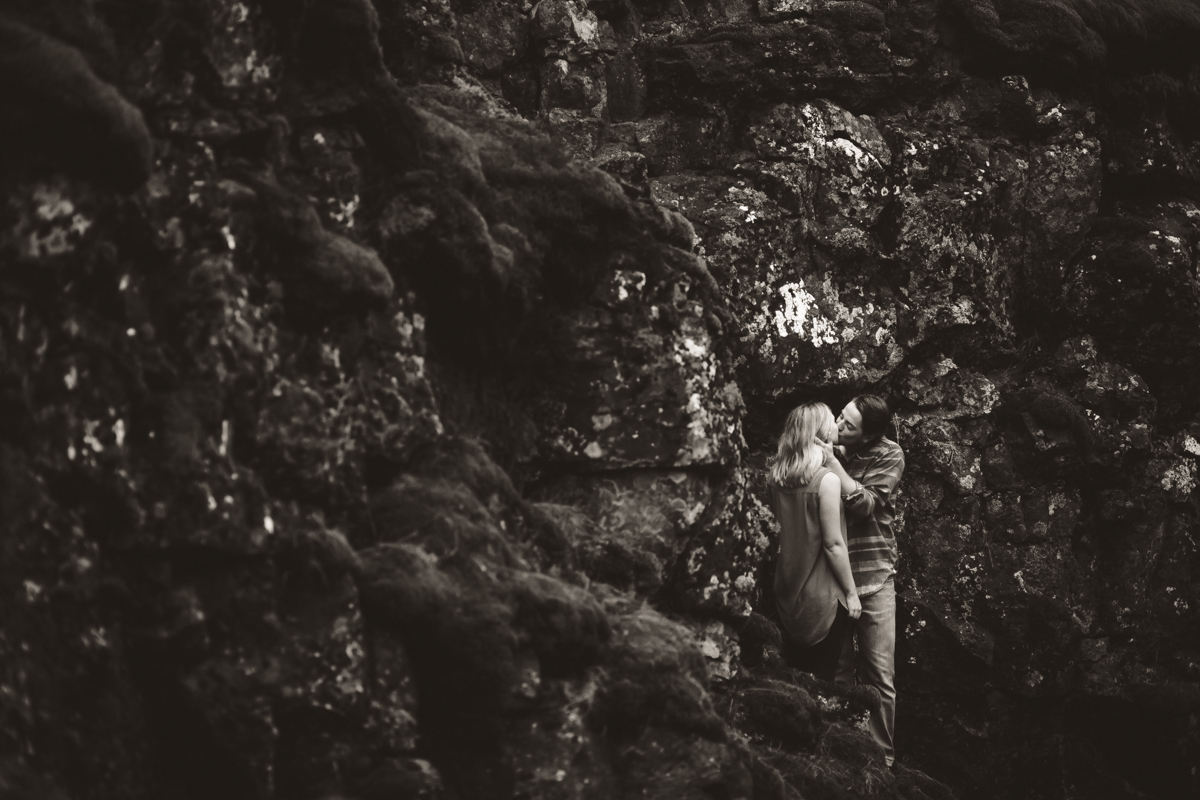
{"x": 806, "y": 589}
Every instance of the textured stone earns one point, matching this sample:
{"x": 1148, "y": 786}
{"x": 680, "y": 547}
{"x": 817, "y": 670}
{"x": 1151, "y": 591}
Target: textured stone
{"x": 671, "y": 143}
{"x": 786, "y": 9}
{"x": 724, "y": 565}
{"x": 949, "y": 392}
{"x": 54, "y": 97}
{"x": 656, "y": 510}
{"x": 566, "y": 21}
{"x": 669, "y": 372}
{"x": 573, "y": 86}
{"x": 357, "y": 293}
{"x": 493, "y": 37}
{"x": 846, "y": 159}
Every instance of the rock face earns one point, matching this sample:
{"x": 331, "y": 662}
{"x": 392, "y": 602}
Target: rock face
{"x": 386, "y": 390}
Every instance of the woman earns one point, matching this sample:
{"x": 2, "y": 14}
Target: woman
{"x": 814, "y": 586}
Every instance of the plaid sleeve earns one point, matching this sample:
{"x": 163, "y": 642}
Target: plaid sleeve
{"x": 876, "y": 485}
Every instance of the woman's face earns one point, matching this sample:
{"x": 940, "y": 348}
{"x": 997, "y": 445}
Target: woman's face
{"x": 849, "y": 426}
{"x": 829, "y": 431}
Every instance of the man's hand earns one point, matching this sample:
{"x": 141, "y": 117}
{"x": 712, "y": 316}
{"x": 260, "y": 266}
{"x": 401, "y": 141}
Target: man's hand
{"x": 828, "y": 450}
{"x": 854, "y": 606}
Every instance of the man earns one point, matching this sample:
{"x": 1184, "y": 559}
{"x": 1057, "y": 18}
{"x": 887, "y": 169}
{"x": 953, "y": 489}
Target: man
{"x": 873, "y": 466}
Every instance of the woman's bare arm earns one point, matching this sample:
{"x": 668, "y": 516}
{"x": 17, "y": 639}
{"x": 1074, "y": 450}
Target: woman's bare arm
{"x": 830, "y": 498}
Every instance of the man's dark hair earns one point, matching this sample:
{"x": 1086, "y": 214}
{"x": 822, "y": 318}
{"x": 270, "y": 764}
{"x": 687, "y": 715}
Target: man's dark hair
{"x": 876, "y": 416}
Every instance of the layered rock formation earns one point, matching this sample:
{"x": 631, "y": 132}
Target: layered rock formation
{"x": 386, "y": 388}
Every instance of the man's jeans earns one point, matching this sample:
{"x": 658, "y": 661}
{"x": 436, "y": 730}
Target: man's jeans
{"x": 875, "y": 631}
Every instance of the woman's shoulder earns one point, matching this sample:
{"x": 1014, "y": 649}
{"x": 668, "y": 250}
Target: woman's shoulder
{"x": 828, "y": 488}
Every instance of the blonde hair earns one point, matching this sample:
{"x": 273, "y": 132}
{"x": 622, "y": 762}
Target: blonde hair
{"x": 799, "y": 458}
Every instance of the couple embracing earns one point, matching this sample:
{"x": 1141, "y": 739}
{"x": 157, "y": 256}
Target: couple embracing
{"x": 832, "y": 487}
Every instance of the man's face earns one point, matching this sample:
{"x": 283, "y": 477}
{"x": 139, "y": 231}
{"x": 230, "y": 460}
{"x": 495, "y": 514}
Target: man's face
{"x": 849, "y": 424}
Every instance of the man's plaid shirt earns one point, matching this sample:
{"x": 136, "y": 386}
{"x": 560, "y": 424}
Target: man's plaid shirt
{"x": 870, "y": 513}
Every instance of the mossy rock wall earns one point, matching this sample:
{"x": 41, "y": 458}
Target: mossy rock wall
{"x": 386, "y": 388}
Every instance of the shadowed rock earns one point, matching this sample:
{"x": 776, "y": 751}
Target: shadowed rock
{"x": 57, "y": 115}
{"x": 326, "y": 272}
